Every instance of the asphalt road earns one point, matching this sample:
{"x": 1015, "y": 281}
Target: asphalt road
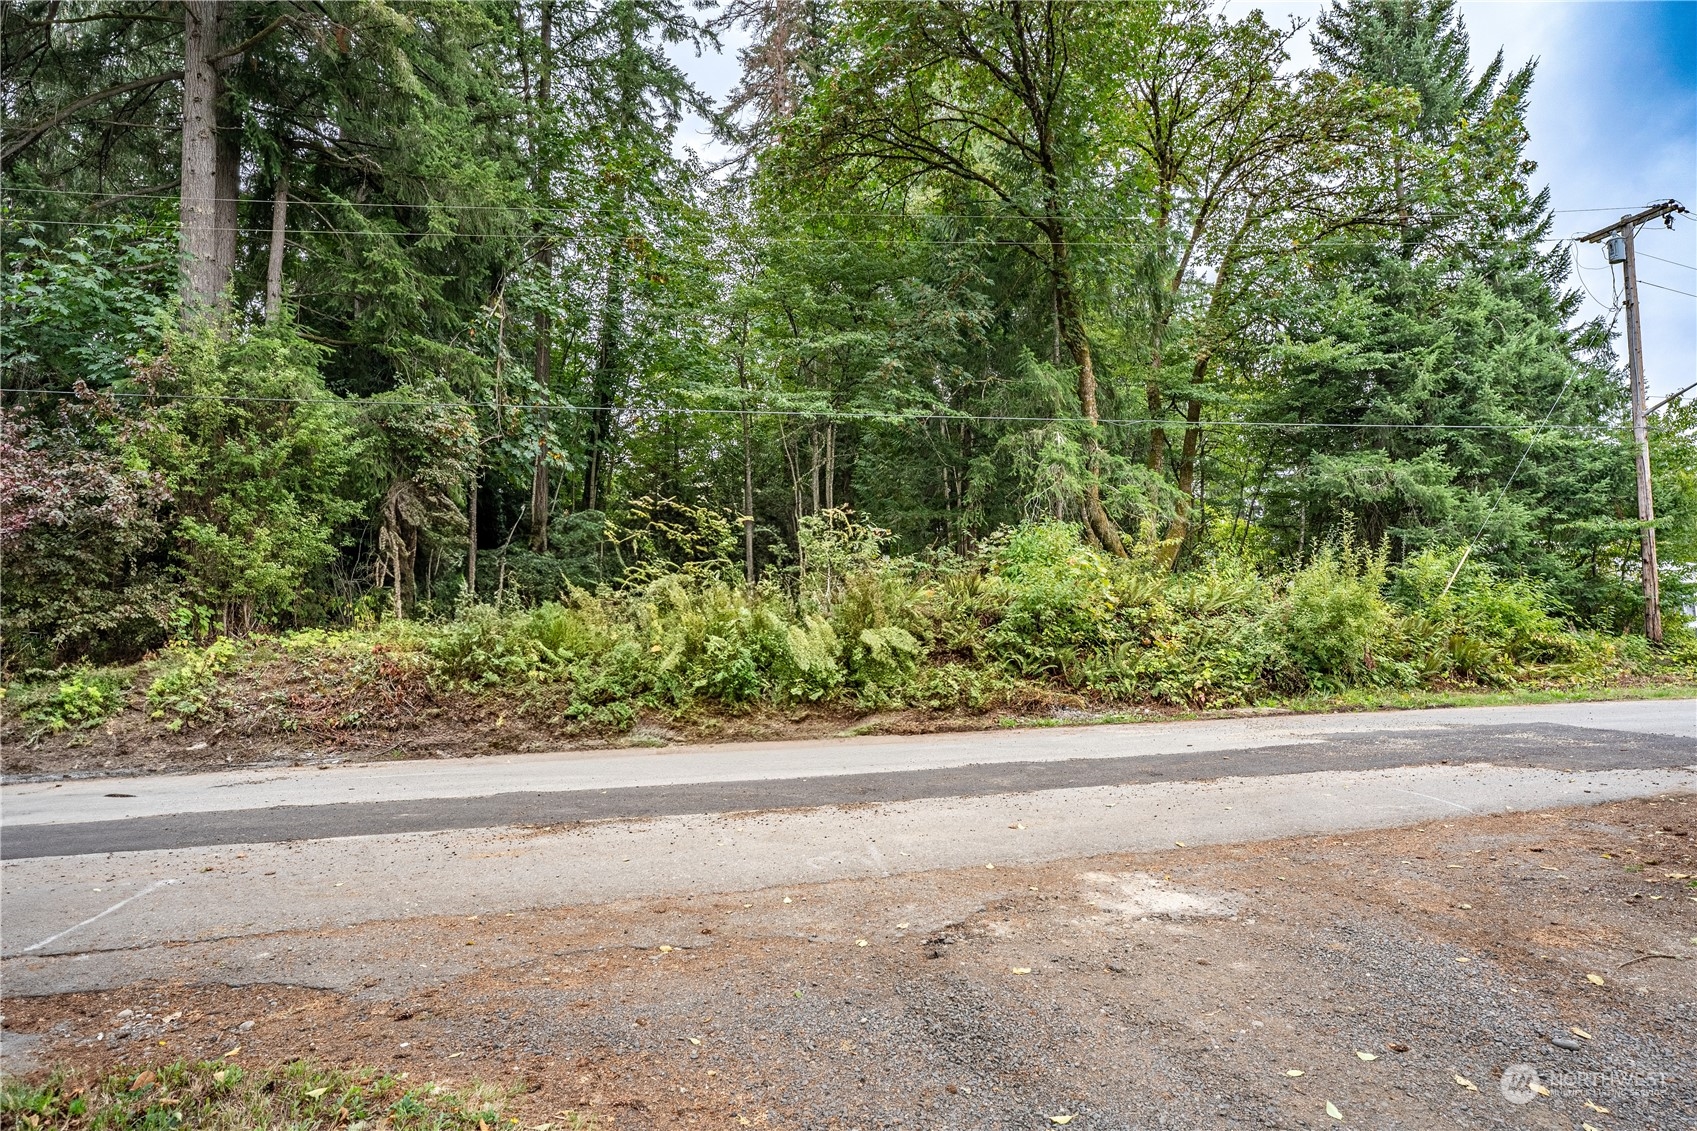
{"x": 1530, "y": 746}
{"x": 226, "y": 860}
{"x": 121, "y": 798}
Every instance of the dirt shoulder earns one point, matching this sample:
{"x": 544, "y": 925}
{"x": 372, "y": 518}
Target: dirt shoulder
{"x": 1393, "y": 975}
{"x": 283, "y": 714}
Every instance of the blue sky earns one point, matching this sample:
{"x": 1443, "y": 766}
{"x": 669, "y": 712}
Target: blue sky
{"x": 1613, "y": 122}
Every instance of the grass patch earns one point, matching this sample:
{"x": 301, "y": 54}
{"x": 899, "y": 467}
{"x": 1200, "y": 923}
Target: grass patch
{"x": 219, "y": 1096}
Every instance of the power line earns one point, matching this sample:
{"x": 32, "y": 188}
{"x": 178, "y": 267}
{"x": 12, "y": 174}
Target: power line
{"x": 1324, "y": 242}
{"x": 1673, "y": 262}
{"x": 442, "y": 206}
{"x": 1645, "y": 282}
{"x": 1613, "y": 307}
{"x": 895, "y": 416}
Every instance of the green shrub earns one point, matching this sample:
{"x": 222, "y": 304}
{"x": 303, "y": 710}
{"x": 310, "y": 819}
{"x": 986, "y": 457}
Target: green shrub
{"x": 84, "y": 699}
{"x": 1055, "y": 595}
{"x": 1037, "y": 609}
{"x": 185, "y": 689}
{"x": 1482, "y": 628}
{"x": 258, "y": 457}
{"x": 1334, "y": 615}
{"x": 811, "y": 667}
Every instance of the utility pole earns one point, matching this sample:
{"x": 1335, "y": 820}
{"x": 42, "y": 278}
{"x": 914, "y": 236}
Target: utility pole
{"x": 1620, "y": 236}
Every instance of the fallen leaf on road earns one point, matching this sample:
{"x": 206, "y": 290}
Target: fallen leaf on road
{"x": 232, "y": 1052}
{"x": 1578, "y": 1032}
{"x": 1332, "y": 1110}
{"x": 1366, "y": 1055}
{"x": 901, "y": 926}
{"x": 695, "y": 1040}
{"x": 1016, "y": 826}
{"x": 1022, "y": 969}
{"x": 1397, "y": 1046}
{"x": 1465, "y": 906}
{"x": 992, "y": 867}
{"x": 1594, "y": 979}
{"x": 1588, "y": 1127}
{"x": 453, "y": 1055}
{"x": 1466, "y": 1083}
{"x": 314, "y": 1093}
{"x": 1597, "y": 1108}
{"x": 1180, "y": 843}
{"x": 859, "y": 942}
{"x": 665, "y": 950}
{"x": 1464, "y": 960}
{"x": 1293, "y": 1072}
{"x": 786, "y": 899}
{"x": 1539, "y": 1088}
{"x": 1063, "y": 1120}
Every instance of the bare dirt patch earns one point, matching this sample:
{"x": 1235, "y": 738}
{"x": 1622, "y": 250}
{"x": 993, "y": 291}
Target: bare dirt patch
{"x": 1180, "y": 989}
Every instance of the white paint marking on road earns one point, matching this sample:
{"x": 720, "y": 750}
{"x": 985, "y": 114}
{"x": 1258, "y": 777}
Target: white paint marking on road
{"x": 154, "y": 886}
{"x": 1439, "y": 800}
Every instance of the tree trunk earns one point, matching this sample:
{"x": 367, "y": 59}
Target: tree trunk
{"x": 1071, "y": 317}
{"x": 198, "y": 201}
{"x": 539, "y": 468}
{"x": 279, "y": 238}
{"x": 1166, "y": 554}
{"x": 747, "y": 472}
{"x": 471, "y": 538}
{"x": 544, "y": 340}
{"x": 831, "y": 465}
{"x": 227, "y": 171}
{"x": 604, "y": 386}
{"x": 792, "y": 461}
{"x": 813, "y": 463}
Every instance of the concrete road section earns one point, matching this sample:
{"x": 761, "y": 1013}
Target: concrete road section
{"x": 1540, "y": 746}
{"x": 122, "y": 889}
{"x": 101, "y": 799}
{"x": 117, "y": 918}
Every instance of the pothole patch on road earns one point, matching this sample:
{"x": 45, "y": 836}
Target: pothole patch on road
{"x": 1139, "y": 895}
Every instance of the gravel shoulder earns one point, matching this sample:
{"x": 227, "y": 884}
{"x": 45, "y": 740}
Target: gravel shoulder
{"x": 1180, "y": 988}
